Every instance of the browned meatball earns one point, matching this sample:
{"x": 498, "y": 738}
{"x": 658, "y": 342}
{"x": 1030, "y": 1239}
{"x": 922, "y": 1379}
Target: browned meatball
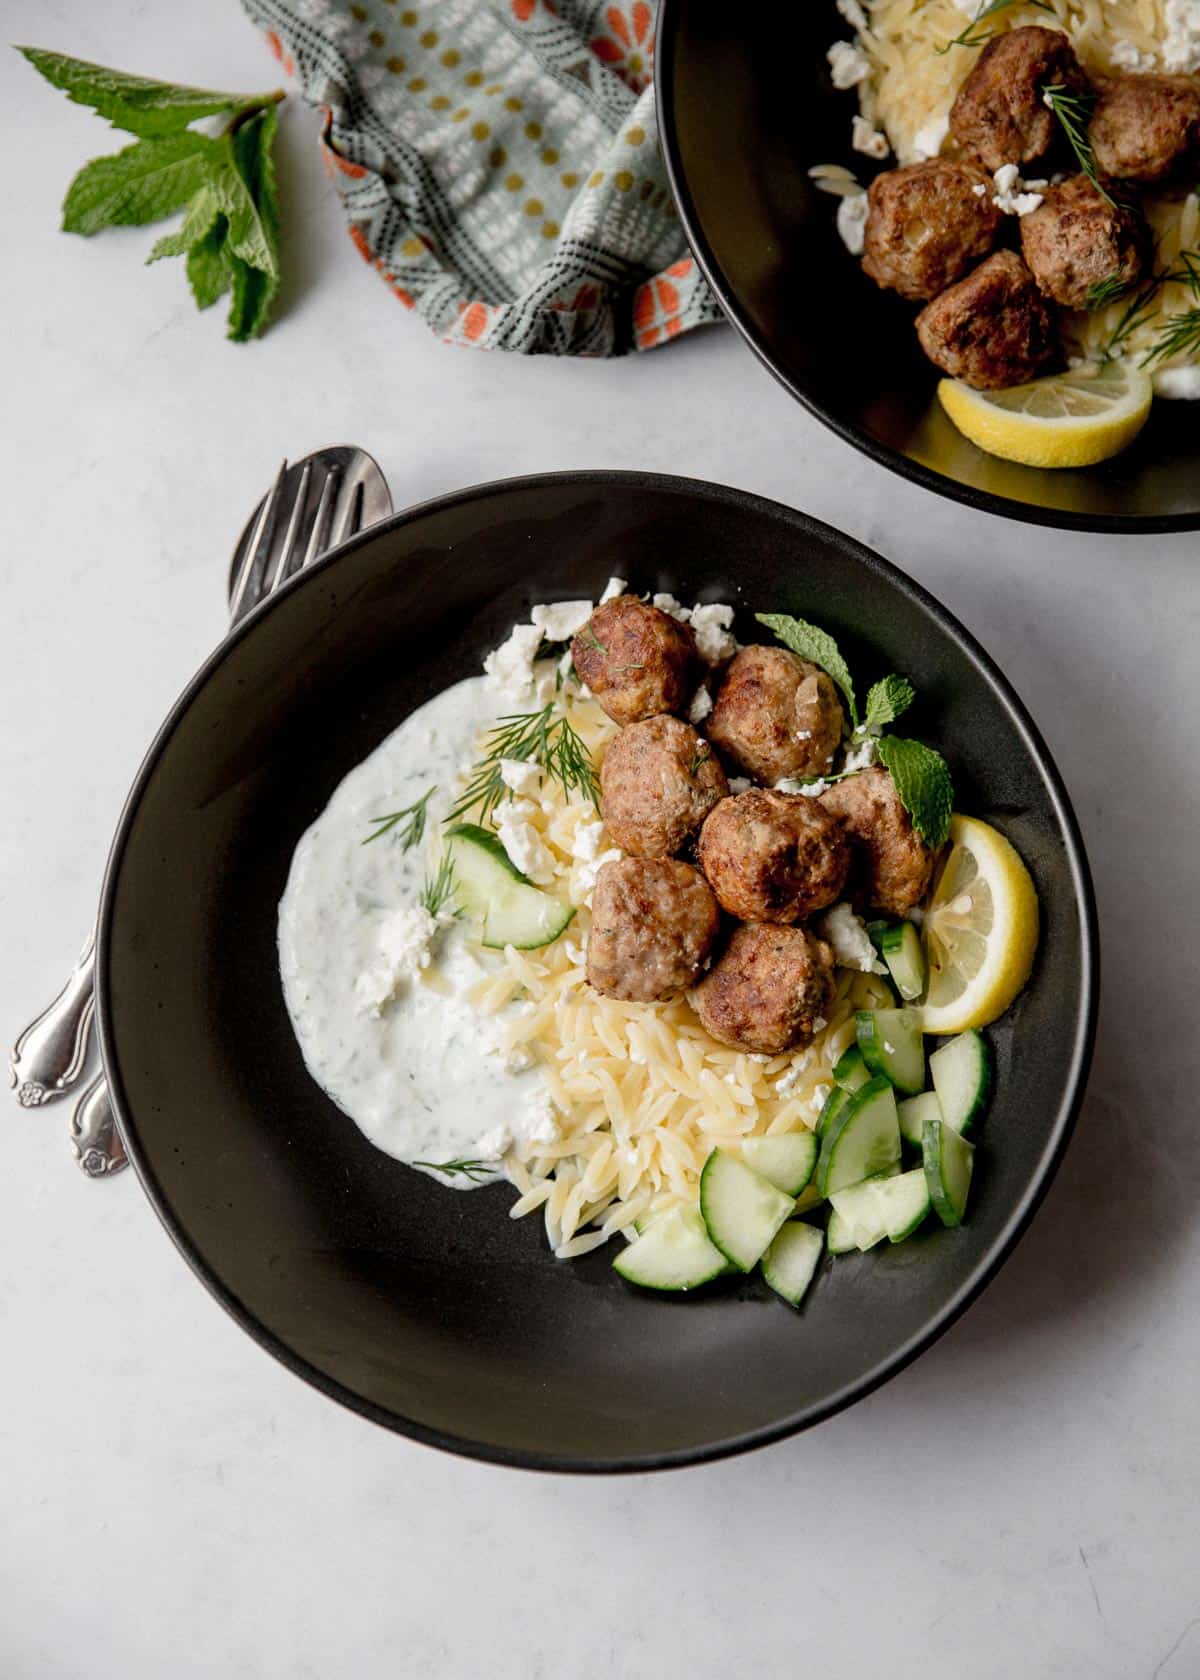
{"x": 1000, "y": 115}
{"x": 769, "y": 990}
{"x": 658, "y": 782}
{"x": 1145, "y": 128}
{"x": 773, "y": 857}
{"x": 992, "y": 329}
{"x": 1076, "y": 238}
{"x": 775, "y": 715}
{"x": 891, "y": 865}
{"x": 653, "y": 924}
{"x": 636, "y": 660}
{"x": 927, "y": 225}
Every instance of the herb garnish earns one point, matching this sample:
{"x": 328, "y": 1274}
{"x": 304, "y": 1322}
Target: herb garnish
{"x": 701, "y": 759}
{"x": 588, "y": 635}
{"x": 476, "y": 1171}
{"x": 438, "y": 890}
{"x": 535, "y": 737}
{"x": 1074, "y": 113}
{"x": 987, "y": 9}
{"x": 225, "y": 183}
{"x": 412, "y": 817}
{"x": 1103, "y": 292}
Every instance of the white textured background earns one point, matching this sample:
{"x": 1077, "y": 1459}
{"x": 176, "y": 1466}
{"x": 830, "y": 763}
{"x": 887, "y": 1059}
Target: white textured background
{"x": 1022, "y": 1501}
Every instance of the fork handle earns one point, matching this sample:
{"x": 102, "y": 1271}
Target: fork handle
{"x": 50, "y": 1054}
{"x": 94, "y": 1135}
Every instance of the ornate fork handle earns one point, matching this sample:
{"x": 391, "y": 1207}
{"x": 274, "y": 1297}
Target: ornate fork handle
{"x": 50, "y": 1053}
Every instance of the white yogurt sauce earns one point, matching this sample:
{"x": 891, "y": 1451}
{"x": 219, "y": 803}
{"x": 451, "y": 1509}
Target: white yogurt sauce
{"x": 423, "y": 1078}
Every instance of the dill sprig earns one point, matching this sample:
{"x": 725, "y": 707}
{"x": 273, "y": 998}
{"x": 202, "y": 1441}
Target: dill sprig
{"x": 1141, "y": 307}
{"x": 987, "y": 9}
{"x": 438, "y": 890}
{"x": 412, "y": 817}
{"x": 476, "y": 1171}
{"x": 539, "y": 738}
{"x": 589, "y": 636}
{"x": 1103, "y": 292}
{"x": 1180, "y": 334}
{"x": 1074, "y": 113}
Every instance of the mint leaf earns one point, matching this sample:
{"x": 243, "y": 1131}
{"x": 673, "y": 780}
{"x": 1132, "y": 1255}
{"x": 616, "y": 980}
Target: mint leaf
{"x": 201, "y": 218}
{"x": 139, "y": 105}
{"x": 208, "y": 266}
{"x": 143, "y": 183}
{"x": 886, "y": 700}
{"x": 922, "y": 779}
{"x": 815, "y": 645}
{"x": 253, "y": 240}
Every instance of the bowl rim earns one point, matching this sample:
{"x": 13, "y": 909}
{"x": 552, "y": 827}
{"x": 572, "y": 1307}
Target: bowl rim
{"x": 983, "y": 501}
{"x": 1058, "y": 1134}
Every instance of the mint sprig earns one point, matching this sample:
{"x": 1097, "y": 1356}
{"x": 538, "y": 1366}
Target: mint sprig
{"x": 886, "y": 700}
{"x": 224, "y": 183}
{"x": 922, "y": 779}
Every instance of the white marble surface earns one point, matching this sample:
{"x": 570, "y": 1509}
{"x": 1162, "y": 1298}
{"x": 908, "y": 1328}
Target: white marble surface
{"x": 1023, "y": 1500}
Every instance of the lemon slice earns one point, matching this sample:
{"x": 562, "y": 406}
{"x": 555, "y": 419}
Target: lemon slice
{"x": 1065, "y": 420}
{"x": 980, "y": 930}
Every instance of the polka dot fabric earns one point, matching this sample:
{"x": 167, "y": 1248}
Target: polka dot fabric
{"x": 499, "y": 166}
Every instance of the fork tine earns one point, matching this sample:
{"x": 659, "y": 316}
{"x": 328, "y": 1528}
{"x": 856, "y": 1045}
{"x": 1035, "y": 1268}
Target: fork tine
{"x": 318, "y": 540}
{"x": 256, "y": 548}
{"x": 291, "y": 540}
{"x": 351, "y": 519}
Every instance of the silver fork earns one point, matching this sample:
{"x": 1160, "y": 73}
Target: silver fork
{"x": 314, "y": 505}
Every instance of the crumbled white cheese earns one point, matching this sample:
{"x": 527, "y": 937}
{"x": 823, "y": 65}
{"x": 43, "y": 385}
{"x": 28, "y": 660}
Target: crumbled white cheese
{"x": 524, "y": 845}
{"x": 853, "y": 13}
{"x": 1126, "y": 55}
{"x": 1178, "y": 382}
{"x": 794, "y": 784}
{"x": 520, "y": 775}
{"x": 862, "y": 756}
{"x": 1014, "y": 196}
{"x": 852, "y": 222}
{"x": 787, "y": 1082}
{"x": 402, "y": 951}
{"x": 518, "y": 1060}
{"x": 614, "y": 587}
{"x": 850, "y": 940}
{"x": 980, "y": 189}
{"x": 740, "y": 784}
{"x": 927, "y": 141}
{"x": 585, "y": 842}
{"x": 817, "y": 1101}
{"x": 492, "y": 1145}
{"x": 584, "y": 881}
{"x": 537, "y": 1122}
{"x": 559, "y": 621}
{"x": 714, "y": 639}
{"x": 510, "y": 666}
{"x": 1181, "y": 44}
{"x": 672, "y": 607}
{"x": 702, "y": 704}
{"x": 848, "y": 64}
{"x": 866, "y": 138}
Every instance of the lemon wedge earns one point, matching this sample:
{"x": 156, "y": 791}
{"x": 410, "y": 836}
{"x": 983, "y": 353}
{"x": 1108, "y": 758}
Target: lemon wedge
{"x": 1065, "y": 420}
{"x": 980, "y": 930}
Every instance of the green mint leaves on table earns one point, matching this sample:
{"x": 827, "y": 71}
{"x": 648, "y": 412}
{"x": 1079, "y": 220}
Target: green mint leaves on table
{"x": 224, "y": 184}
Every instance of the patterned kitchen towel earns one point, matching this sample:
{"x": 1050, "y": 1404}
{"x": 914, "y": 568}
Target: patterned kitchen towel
{"x": 498, "y": 161}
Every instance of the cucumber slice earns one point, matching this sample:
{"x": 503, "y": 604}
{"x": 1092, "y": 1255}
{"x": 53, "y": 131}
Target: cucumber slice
{"x": 673, "y": 1253}
{"x": 790, "y": 1262}
{"x": 858, "y": 1206}
{"x": 884, "y": 1207}
{"x": 834, "y": 1103}
{"x": 493, "y": 892}
{"x": 948, "y": 1159}
{"x": 900, "y": 948}
{"x": 892, "y": 1044}
{"x": 863, "y": 1141}
{"x": 962, "y": 1077}
{"x": 741, "y": 1209}
{"x": 839, "y": 1235}
{"x": 913, "y": 1113}
{"x": 850, "y": 1071}
{"x": 787, "y": 1161}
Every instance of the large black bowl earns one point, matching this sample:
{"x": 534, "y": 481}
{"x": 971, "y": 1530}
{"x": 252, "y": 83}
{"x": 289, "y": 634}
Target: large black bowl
{"x": 432, "y": 1312}
{"x": 746, "y": 107}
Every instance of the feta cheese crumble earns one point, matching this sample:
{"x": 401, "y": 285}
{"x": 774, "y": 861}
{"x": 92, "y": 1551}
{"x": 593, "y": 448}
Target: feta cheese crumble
{"x": 740, "y": 784}
{"x": 561, "y": 620}
{"x": 866, "y": 138}
{"x": 614, "y": 587}
{"x": 927, "y": 141}
{"x": 402, "y": 951}
{"x": 585, "y": 842}
{"x": 702, "y": 704}
{"x": 852, "y": 222}
{"x": 848, "y": 64}
{"x": 1012, "y": 195}
{"x": 509, "y": 668}
{"x": 521, "y": 840}
{"x": 1181, "y": 46}
{"x": 519, "y": 775}
{"x": 1178, "y": 382}
{"x": 851, "y": 942}
{"x": 862, "y": 756}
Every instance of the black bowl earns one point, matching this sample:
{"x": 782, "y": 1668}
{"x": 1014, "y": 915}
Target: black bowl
{"x": 432, "y": 1312}
{"x": 746, "y": 107}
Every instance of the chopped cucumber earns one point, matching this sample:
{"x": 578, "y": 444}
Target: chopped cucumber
{"x": 786, "y": 1161}
{"x": 900, "y": 948}
{"x": 884, "y": 1207}
{"x": 850, "y": 1071}
{"x": 863, "y": 1141}
{"x": 673, "y": 1253}
{"x": 493, "y": 892}
{"x": 741, "y": 1209}
{"x": 948, "y": 1159}
{"x": 913, "y": 1113}
{"x": 839, "y": 1235}
{"x": 834, "y": 1104}
{"x": 892, "y": 1044}
{"x": 962, "y": 1077}
{"x": 858, "y": 1206}
{"x": 790, "y": 1262}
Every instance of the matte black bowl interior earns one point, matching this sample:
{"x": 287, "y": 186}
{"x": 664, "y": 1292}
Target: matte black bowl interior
{"x": 746, "y": 107}
{"x": 429, "y": 1311}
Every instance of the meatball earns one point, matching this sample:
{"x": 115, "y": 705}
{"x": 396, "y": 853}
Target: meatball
{"x": 1076, "y": 238}
{"x": 636, "y": 660}
{"x": 927, "y": 225}
{"x": 658, "y": 782}
{"x": 653, "y": 925}
{"x": 776, "y": 715}
{"x": 769, "y": 990}
{"x": 891, "y": 866}
{"x": 992, "y": 329}
{"x": 1000, "y": 115}
{"x": 1145, "y": 128}
{"x": 773, "y": 857}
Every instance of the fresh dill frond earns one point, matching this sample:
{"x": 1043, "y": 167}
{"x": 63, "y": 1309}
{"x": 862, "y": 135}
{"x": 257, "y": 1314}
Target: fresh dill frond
{"x": 1135, "y": 316}
{"x": 438, "y": 890}
{"x": 701, "y": 759}
{"x": 987, "y": 9}
{"x": 1074, "y": 113}
{"x": 476, "y": 1171}
{"x": 589, "y": 636}
{"x": 533, "y": 737}
{"x": 412, "y": 817}
{"x": 1103, "y": 292}
{"x": 1180, "y": 336}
